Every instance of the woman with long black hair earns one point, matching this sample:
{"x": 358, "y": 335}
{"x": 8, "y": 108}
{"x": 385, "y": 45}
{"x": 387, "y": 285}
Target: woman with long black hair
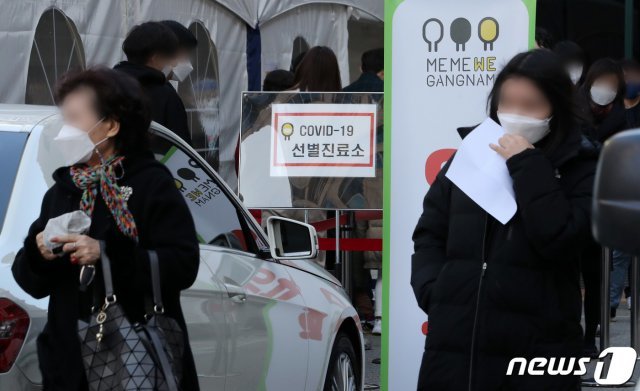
{"x": 318, "y": 71}
{"x": 492, "y": 291}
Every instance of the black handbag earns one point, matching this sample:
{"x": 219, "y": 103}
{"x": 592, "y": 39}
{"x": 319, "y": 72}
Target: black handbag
{"x": 122, "y": 356}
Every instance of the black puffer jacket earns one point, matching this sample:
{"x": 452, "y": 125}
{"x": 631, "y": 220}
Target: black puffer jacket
{"x": 167, "y": 108}
{"x": 164, "y": 224}
{"x": 600, "y": 127}
{"x": 494, "y": 292}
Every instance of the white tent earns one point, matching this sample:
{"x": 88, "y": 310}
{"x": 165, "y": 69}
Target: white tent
{"x": 42, "y": 39}
{"x": 257, "y": 12}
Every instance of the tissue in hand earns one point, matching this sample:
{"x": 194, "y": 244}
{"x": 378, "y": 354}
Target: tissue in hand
{"x": 76, "y": 222}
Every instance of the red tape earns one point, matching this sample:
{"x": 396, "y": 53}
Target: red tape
{"x": 352, "y": 244}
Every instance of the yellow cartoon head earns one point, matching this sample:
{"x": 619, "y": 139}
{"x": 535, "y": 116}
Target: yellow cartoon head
{"x": 489, "y": 30}
{"x": 287, "y": 130}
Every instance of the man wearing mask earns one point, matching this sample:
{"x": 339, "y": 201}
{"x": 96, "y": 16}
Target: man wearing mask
{"x": 151, "y": 49}
{"x": 573, "y": 59}
{"x": 186, "y": 43}
{"x": 631, "y": 69}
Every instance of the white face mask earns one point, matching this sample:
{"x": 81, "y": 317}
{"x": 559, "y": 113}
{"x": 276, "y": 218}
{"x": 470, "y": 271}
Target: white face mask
{"x": 532, "y": 129}
{"x": 182, "y": 70}
{"x": 602, "y": 95}
{"x": 575, "y": 73}
{"x": 167, "y": 70}
{"x": 75, "y": 145}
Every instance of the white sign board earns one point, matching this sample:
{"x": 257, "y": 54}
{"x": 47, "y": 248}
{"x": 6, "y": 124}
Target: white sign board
{"x": 203, "y": 196}
{"x": 323, "y": 140}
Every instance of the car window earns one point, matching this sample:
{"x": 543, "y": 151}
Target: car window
{"x": 219, "y": 222}
{"x": 11, "y": 147}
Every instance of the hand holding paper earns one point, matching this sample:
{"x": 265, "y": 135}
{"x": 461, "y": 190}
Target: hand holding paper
{"x": 482, "y": 174}
{"x": 510, "y": 145}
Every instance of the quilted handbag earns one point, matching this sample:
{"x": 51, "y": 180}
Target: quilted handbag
{"x": 122, "y": 356}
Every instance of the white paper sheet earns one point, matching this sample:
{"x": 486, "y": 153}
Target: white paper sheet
{"x": 482, "y": 174}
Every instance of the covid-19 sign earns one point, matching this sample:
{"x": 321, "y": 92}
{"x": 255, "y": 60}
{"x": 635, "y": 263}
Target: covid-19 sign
{"x": 323, "y": 140}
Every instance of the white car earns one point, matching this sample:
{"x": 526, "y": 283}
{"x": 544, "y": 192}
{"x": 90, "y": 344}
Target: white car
{"x": 261, "y": 314}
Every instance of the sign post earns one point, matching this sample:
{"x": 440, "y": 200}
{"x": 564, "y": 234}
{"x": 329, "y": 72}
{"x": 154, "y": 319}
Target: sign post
{"x": 444, "y": 58}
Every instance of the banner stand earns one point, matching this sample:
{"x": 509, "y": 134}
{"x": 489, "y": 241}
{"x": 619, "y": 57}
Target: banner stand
{"x": 605, "y": 314}
{"x": 635, "y": 305}
{"x": 605, "y": 307}
{"x": 445, "y": 58}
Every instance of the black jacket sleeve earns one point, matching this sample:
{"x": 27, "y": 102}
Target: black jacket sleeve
{"x": 430, "y": 239}
{"x": 556, "y": 222}
{"x": 165, "y": 225}
{"x": 615, "y": 122}
{"x": 176, "y": 116}
{"x": 32, "y": 272}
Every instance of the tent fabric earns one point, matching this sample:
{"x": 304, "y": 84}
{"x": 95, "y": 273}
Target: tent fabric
{"x": 102, "y": 27}
{"x": 318, "y": 24}
{"x": 268, "y": 26}
{"x": 257, "y": 12}
{"x": 101, "y": 40}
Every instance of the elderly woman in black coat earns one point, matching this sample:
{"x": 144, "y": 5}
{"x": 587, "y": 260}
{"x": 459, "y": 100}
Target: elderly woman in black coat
{"x": 134, "y": 207}
{"x": 494, "y": 292}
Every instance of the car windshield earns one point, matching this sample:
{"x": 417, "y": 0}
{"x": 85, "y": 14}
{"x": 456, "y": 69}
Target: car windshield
{"x": 11, "y": 147}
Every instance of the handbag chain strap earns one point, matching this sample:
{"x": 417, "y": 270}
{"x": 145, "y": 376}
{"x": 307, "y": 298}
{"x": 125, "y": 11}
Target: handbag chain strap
{"x": 110, "y": 297}
{"x": 154, "y": 264}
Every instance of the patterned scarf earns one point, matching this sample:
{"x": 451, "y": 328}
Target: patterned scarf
{"x": 90, "y": 178}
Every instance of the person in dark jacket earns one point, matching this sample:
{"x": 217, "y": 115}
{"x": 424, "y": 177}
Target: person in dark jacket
{"x": 544, "y": 39}
{"x": 494, "y": 292}
{"x": 151, "y": 49}
{"x": 620, "y": 260}
{"x": 134, "y": 206}
{"x": 631, "y": 69}
{"x": 278, "y": 80}
{"x": 574, "y": 59}
{"x": 371, "y": 79}
{"x": 602, "y": 99}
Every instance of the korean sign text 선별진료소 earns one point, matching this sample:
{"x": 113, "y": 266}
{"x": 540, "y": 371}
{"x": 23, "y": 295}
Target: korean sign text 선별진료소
{"x": 323, "y": 140}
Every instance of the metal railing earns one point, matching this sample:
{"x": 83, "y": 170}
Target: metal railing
{"x": 605, "y": 330}
{"x": 605, "y": 285}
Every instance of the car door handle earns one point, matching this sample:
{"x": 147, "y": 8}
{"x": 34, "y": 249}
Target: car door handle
{"x": 236, "y": 293}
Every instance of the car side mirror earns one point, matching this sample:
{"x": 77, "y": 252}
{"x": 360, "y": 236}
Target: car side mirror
{"x": 616, "y": 197}
{"x": 291, "y": 239}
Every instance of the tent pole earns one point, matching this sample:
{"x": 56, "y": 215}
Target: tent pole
{"x": 628, "y": 28}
